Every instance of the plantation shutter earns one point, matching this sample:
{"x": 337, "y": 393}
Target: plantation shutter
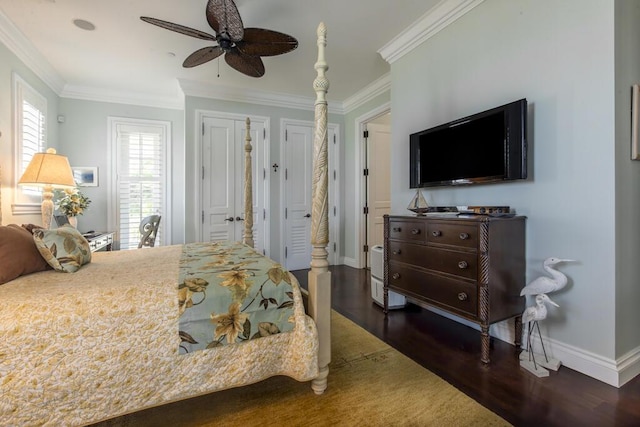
{"x": 31, "y": 109}
{"x": 141, "y": 180}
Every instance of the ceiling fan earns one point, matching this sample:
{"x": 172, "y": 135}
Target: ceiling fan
{"x": 242, "y": 47}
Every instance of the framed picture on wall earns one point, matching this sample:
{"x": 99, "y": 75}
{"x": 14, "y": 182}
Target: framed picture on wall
{"x": 85, "y": 176}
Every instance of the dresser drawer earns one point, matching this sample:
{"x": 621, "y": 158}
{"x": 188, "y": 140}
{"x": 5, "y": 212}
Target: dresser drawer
{"x": 407, "y": 230}
{"x": 459, "y": 263}
{"x": 445, "y": 292}
{"x": 463, "y": 235}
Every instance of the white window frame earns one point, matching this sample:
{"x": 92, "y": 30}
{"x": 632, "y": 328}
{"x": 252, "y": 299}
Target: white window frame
{"x": 113, "y": 219}
{"x": 26, "y": 200}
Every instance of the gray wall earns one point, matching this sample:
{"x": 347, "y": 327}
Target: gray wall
{"x": 627, "y": 177}
{"x": 560, "y": 56}
{"x": 83, "y": 138}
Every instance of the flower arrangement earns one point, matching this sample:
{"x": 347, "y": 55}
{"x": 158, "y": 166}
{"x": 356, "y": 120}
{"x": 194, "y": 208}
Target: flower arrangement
{"x": 71, "y": 202}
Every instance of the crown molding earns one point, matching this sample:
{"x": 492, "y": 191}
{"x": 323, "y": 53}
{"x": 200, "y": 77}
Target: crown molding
{"x": 173, "y": 102}
{"x": 21, "y": 47}
{"x": 426, "y": 27}
{"x": 377, "y": 87}
{"x": 253, "y": 96}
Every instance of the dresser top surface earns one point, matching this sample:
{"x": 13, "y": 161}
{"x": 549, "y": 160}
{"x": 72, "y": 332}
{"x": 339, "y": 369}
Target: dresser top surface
{"x": 454, "y": 216}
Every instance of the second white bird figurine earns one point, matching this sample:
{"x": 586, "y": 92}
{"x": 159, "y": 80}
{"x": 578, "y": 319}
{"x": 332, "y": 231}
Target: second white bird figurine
{"x": 544, "y": 284}
{"x": 538, "y": 311}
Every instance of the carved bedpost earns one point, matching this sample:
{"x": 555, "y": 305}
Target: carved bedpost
{"x": 248, "y": 189}
{"x": 0, "y": 193}
{"x": 319, "y": 276}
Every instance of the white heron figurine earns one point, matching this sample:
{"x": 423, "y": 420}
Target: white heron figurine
{"x": 544, "y": 284}
{"x": 538, "y": 311}
{"x": 540, "y": 287}
{"x": 531, "y": 316}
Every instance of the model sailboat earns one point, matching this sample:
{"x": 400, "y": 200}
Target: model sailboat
{"x": 418, "y": 204}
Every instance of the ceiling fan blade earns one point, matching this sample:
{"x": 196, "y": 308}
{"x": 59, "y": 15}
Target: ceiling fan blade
{"x": 224, "y": 18}
{"x": 201, "y": 56}
{"x": 178, "y": 28}
{"x": 252, "y": 66}
{"x": 261, "y": 42}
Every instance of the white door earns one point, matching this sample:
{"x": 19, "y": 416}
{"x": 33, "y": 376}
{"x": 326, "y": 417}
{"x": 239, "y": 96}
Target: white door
{"x": 297, "y": 162}
{"x": 379, "y": 182}
{"x": 222, "y": 189}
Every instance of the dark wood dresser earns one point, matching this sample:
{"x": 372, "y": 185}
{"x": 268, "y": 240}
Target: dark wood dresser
{"x": 472, "y": 266}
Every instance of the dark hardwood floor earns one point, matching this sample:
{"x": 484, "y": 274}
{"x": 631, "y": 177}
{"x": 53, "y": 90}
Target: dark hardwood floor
{"x": 451, "y": 350}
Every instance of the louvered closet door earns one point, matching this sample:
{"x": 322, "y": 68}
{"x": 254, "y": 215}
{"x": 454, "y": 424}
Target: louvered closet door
{"x": 298, "y": 154}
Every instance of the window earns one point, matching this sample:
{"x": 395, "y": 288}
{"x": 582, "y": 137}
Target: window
{"x": 30, "y": 109}
{"x": 139, "y": 166}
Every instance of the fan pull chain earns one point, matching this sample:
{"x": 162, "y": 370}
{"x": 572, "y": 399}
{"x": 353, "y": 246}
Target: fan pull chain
{"x": 218, "y": 67}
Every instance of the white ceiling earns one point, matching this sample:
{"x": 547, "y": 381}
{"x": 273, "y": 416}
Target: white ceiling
{"x": 125, "y": 54}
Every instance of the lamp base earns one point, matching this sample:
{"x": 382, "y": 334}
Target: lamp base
{"x": 47, "y": 206}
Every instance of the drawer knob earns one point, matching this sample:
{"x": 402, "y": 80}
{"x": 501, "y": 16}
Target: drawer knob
{"x": 462, "y": 296}
{"x": 397, "y": 229}
{"x": 464, "y": 236}
{"x": 462, "y": 265}
{"x": 436, "y": 233}
{"x": 396, "y": 276}
{"x": 397, "y": 252}
{"x": 415, "y": 231}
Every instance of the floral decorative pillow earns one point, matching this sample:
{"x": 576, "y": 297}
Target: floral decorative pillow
{"x": 64, "y": 248}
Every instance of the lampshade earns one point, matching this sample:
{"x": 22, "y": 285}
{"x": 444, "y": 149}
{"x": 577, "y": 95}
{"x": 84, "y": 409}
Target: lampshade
{"x": 48, "y": 170}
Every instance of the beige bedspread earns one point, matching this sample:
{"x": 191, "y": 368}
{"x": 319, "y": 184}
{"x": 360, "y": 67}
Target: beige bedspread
{"x": 78, "y": 348}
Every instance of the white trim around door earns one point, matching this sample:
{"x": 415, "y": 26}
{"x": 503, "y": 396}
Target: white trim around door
{"x": 264, "y": 185}
{"x": 360, "y": 191}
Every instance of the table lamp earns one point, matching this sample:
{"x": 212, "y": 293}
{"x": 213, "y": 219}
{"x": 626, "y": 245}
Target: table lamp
{"x": 48, "y": 170}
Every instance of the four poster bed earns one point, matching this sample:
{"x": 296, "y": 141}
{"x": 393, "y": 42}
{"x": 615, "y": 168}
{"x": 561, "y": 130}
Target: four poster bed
{"x": 129, "y": 330}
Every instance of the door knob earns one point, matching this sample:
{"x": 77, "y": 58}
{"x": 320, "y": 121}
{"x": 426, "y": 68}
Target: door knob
{"x": 230, "y": 219}
{"x": 239, "y": 219}
{"x": 307, "y": 216}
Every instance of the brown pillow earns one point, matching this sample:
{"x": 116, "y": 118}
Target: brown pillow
{"x": 18, "y": 253}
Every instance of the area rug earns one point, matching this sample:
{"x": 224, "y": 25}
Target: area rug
{"x": 370, "y": 384}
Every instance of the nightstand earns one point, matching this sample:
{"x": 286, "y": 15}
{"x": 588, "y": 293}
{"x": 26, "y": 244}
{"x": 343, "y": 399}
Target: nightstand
{"x": 100, "y": 241}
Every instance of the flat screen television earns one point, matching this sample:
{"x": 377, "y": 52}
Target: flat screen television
{"x": 486, "y": 147}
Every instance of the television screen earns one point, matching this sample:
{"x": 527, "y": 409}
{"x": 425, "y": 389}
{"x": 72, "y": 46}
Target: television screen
{"x": 486, "y": 147}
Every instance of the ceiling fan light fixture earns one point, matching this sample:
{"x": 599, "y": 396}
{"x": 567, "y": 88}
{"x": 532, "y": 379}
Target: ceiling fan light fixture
{"x": 242, "y": 47}
{"x": 84, "y": 24}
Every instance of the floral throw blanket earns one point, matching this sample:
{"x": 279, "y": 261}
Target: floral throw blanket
{"x": 228, "y": 293}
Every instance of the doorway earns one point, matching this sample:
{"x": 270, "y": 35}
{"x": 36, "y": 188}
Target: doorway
{"x": 374, "y": 155}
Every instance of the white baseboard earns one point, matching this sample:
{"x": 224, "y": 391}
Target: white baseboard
{"x": 350, "y": 262}
{"x": 613, "y": 372}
